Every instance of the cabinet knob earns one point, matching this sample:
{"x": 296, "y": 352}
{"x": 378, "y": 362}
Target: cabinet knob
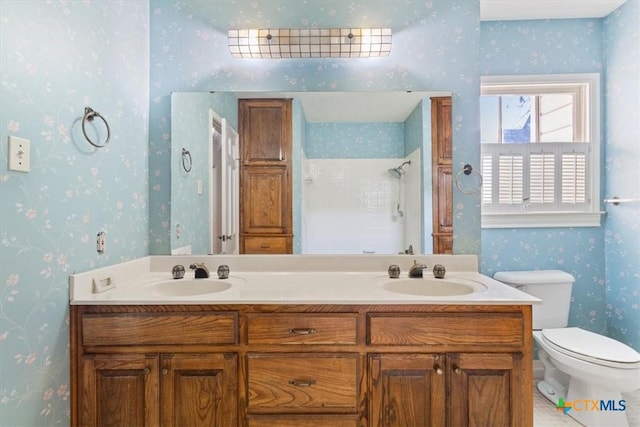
{"x": 302, "y": 331}
{"x": 438, "y": 370}
{"x": 456, "y": 370}
{"x": 165, "y": 371}
{"x": 147, "y": 371}
{"x": 302, "y": 383}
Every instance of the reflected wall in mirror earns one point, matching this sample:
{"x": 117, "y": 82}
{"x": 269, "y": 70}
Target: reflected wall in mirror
{"x": 348, "y": 196}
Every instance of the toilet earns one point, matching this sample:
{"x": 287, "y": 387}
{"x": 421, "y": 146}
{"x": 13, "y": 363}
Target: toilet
{"x": 584, "y": 369}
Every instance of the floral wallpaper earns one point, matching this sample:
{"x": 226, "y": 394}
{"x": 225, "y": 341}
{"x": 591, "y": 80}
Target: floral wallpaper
{"x": 125, "y": 58}
{"x": 56, "y": 58}
{"x": 604, "y": 260}
{"x": 622, "y": 225}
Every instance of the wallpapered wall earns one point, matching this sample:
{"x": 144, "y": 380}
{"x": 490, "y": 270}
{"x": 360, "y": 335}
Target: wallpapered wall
{"x": 622, "y": 227}
{"x": 56, "y": 58}
{"x": 604, "y": 301}
{"x": 125, "y": 58}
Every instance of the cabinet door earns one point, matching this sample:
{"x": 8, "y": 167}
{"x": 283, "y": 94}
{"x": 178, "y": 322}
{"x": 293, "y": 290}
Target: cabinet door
{"x": 265, "y": 131}
{"x": 266, "y": 200}
{"x": 119, "y": 390}
{"x": 441, "y": 130}
{"x": 486, "y": 390}
{"x": 407, "y": 390}
{"x": 198, "y": 390}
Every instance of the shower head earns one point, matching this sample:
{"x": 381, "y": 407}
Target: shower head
{"x": 399, "y": 171}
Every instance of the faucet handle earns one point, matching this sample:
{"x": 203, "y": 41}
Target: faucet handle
{"x": 223, "y": 271}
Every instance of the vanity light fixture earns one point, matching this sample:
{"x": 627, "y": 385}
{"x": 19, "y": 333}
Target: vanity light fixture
{"x": 310, "y": 43}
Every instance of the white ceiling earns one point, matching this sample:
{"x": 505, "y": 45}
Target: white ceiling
{"x": 494, "y": 10}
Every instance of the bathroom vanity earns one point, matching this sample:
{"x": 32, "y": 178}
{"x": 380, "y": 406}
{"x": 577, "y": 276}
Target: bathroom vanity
{"x": 299, "y": 349}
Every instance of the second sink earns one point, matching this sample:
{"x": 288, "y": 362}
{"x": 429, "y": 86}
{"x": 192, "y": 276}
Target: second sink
{"x": 433, "y": 287}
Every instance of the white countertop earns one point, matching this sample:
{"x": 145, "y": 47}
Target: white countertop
{"x": 290, "y": 279}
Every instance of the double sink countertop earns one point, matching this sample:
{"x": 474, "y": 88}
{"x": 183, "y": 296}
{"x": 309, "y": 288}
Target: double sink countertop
{"x": 292, "y": 279}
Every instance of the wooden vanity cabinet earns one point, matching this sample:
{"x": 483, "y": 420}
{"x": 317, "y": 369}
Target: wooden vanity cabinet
{"x": 265, "y": 130}
{"x": 302, "y": 365}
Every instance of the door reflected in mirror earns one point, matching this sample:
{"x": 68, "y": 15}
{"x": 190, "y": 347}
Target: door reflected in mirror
{"x": 345, "y": 197}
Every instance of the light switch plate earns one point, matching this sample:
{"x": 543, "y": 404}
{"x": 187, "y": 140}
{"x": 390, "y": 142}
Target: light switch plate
{"x": 19, "y": 154}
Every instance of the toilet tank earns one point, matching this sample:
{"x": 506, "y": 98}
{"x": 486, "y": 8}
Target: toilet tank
{"x": 553, "y": 287}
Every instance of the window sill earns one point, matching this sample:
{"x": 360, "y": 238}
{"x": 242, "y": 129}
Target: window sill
{"x": 541, "y": 219}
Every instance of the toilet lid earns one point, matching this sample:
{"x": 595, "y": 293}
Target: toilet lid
{"x": 591, "y": 346}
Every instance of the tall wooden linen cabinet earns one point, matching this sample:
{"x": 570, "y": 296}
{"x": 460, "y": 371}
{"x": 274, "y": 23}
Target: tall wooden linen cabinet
{"x": 265, "y": 176}
{"x": 442, "y": 182}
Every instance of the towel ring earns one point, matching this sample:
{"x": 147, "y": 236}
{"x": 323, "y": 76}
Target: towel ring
{"x": 467, "y": 170}
{"x": 186, "y": 159}
{"x": 89, "y": 115}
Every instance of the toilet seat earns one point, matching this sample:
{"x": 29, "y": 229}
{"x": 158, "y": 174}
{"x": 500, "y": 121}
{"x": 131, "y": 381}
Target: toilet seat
{"x": 592, "y": 347}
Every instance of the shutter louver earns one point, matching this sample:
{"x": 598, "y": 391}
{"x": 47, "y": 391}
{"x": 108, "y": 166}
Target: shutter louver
{"x": 574, "y": 178}
{"x": 541, "y": 178}
{"x": 511, "y": 179}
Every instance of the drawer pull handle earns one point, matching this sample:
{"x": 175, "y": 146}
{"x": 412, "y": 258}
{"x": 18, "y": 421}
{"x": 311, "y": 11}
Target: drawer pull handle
{"x": 303, "y": 331}
{"x": 438, "y": 370}
{"x": 456, "y": 370}
{"x": 264, "y": 246}
{"x": 302, "y": 383}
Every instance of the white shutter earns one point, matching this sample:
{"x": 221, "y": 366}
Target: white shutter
{"x": 542, "y": 178}
{"x": 510, "y": 178}
{"x": 574, "y": 176}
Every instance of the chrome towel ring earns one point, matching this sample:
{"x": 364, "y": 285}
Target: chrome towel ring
{"x": 89, "y": 115}
{"x": 475, "y": 186}
{"x": 186, "y": 160}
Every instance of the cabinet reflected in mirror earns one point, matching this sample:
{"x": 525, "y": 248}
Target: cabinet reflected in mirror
{"x": 344, "y": 197}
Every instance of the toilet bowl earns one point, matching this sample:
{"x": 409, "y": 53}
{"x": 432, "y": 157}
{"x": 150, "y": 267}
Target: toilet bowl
{"x": 585, "y": 373}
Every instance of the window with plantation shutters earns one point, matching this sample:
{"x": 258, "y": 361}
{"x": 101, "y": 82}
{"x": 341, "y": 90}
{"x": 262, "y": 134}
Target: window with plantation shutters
{"x": 540, "y": 151}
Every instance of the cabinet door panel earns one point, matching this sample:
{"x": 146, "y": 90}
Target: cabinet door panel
{"x": 199, "y": 390}
{"x": 265, "y": 200}
{"x": 486, "y": 390}
{"x": 119, "y": 390}
{"x": 265, "y": 131}
{"x": 407, "y": 390}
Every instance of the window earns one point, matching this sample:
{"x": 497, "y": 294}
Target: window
{"x": 540, "y": 145}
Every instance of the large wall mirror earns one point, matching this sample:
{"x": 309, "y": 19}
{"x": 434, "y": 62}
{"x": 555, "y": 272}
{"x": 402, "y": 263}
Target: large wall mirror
{"x": 362, "y": 179}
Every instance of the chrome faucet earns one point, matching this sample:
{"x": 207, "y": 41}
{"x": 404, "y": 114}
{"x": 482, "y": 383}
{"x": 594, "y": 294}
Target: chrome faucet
{"x": 201, "y": 270}
{"x": 416, "y": 270}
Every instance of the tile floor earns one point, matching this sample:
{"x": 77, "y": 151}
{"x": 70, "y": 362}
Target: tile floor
{"x": 546, "y": 415}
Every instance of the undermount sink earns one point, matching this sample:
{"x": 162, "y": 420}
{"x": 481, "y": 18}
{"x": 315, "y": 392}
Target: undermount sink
{"x": 190, "y": 287}
{"x": 432, "y": 287}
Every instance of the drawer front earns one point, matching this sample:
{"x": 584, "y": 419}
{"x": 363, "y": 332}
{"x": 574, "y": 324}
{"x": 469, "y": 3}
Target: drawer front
{"x": 266, "y": 245}
{"x": 302, "y": 383}
{"x": 159, "y": 329}
{"x": 447, "y": 329}
{"x": 301, "y": 328}
{"x": 306, "y": 420}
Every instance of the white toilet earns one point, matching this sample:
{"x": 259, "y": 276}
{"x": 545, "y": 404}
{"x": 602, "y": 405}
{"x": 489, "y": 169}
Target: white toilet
{"x": 583, "y": 368}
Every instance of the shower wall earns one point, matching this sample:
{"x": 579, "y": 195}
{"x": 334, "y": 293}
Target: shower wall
{"x": 350, "y": 207}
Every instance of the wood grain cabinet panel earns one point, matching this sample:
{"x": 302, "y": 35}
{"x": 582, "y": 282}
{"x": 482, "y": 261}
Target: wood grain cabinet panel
{"x": 301, "y": 328}
{"x": 265, "y": 129}
{"x": 442, "y": 178}
{"x": 119, "y": 390}
{"x": 407, "y": 390}
{"x": 460, "y": 329}
{"x": 302, "y": 383}
{"x": 157, "y": 329}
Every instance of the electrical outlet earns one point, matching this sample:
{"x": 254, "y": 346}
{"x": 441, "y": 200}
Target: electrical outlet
{"x": 19, "y": 154}
{"x": 101, "y": 240}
